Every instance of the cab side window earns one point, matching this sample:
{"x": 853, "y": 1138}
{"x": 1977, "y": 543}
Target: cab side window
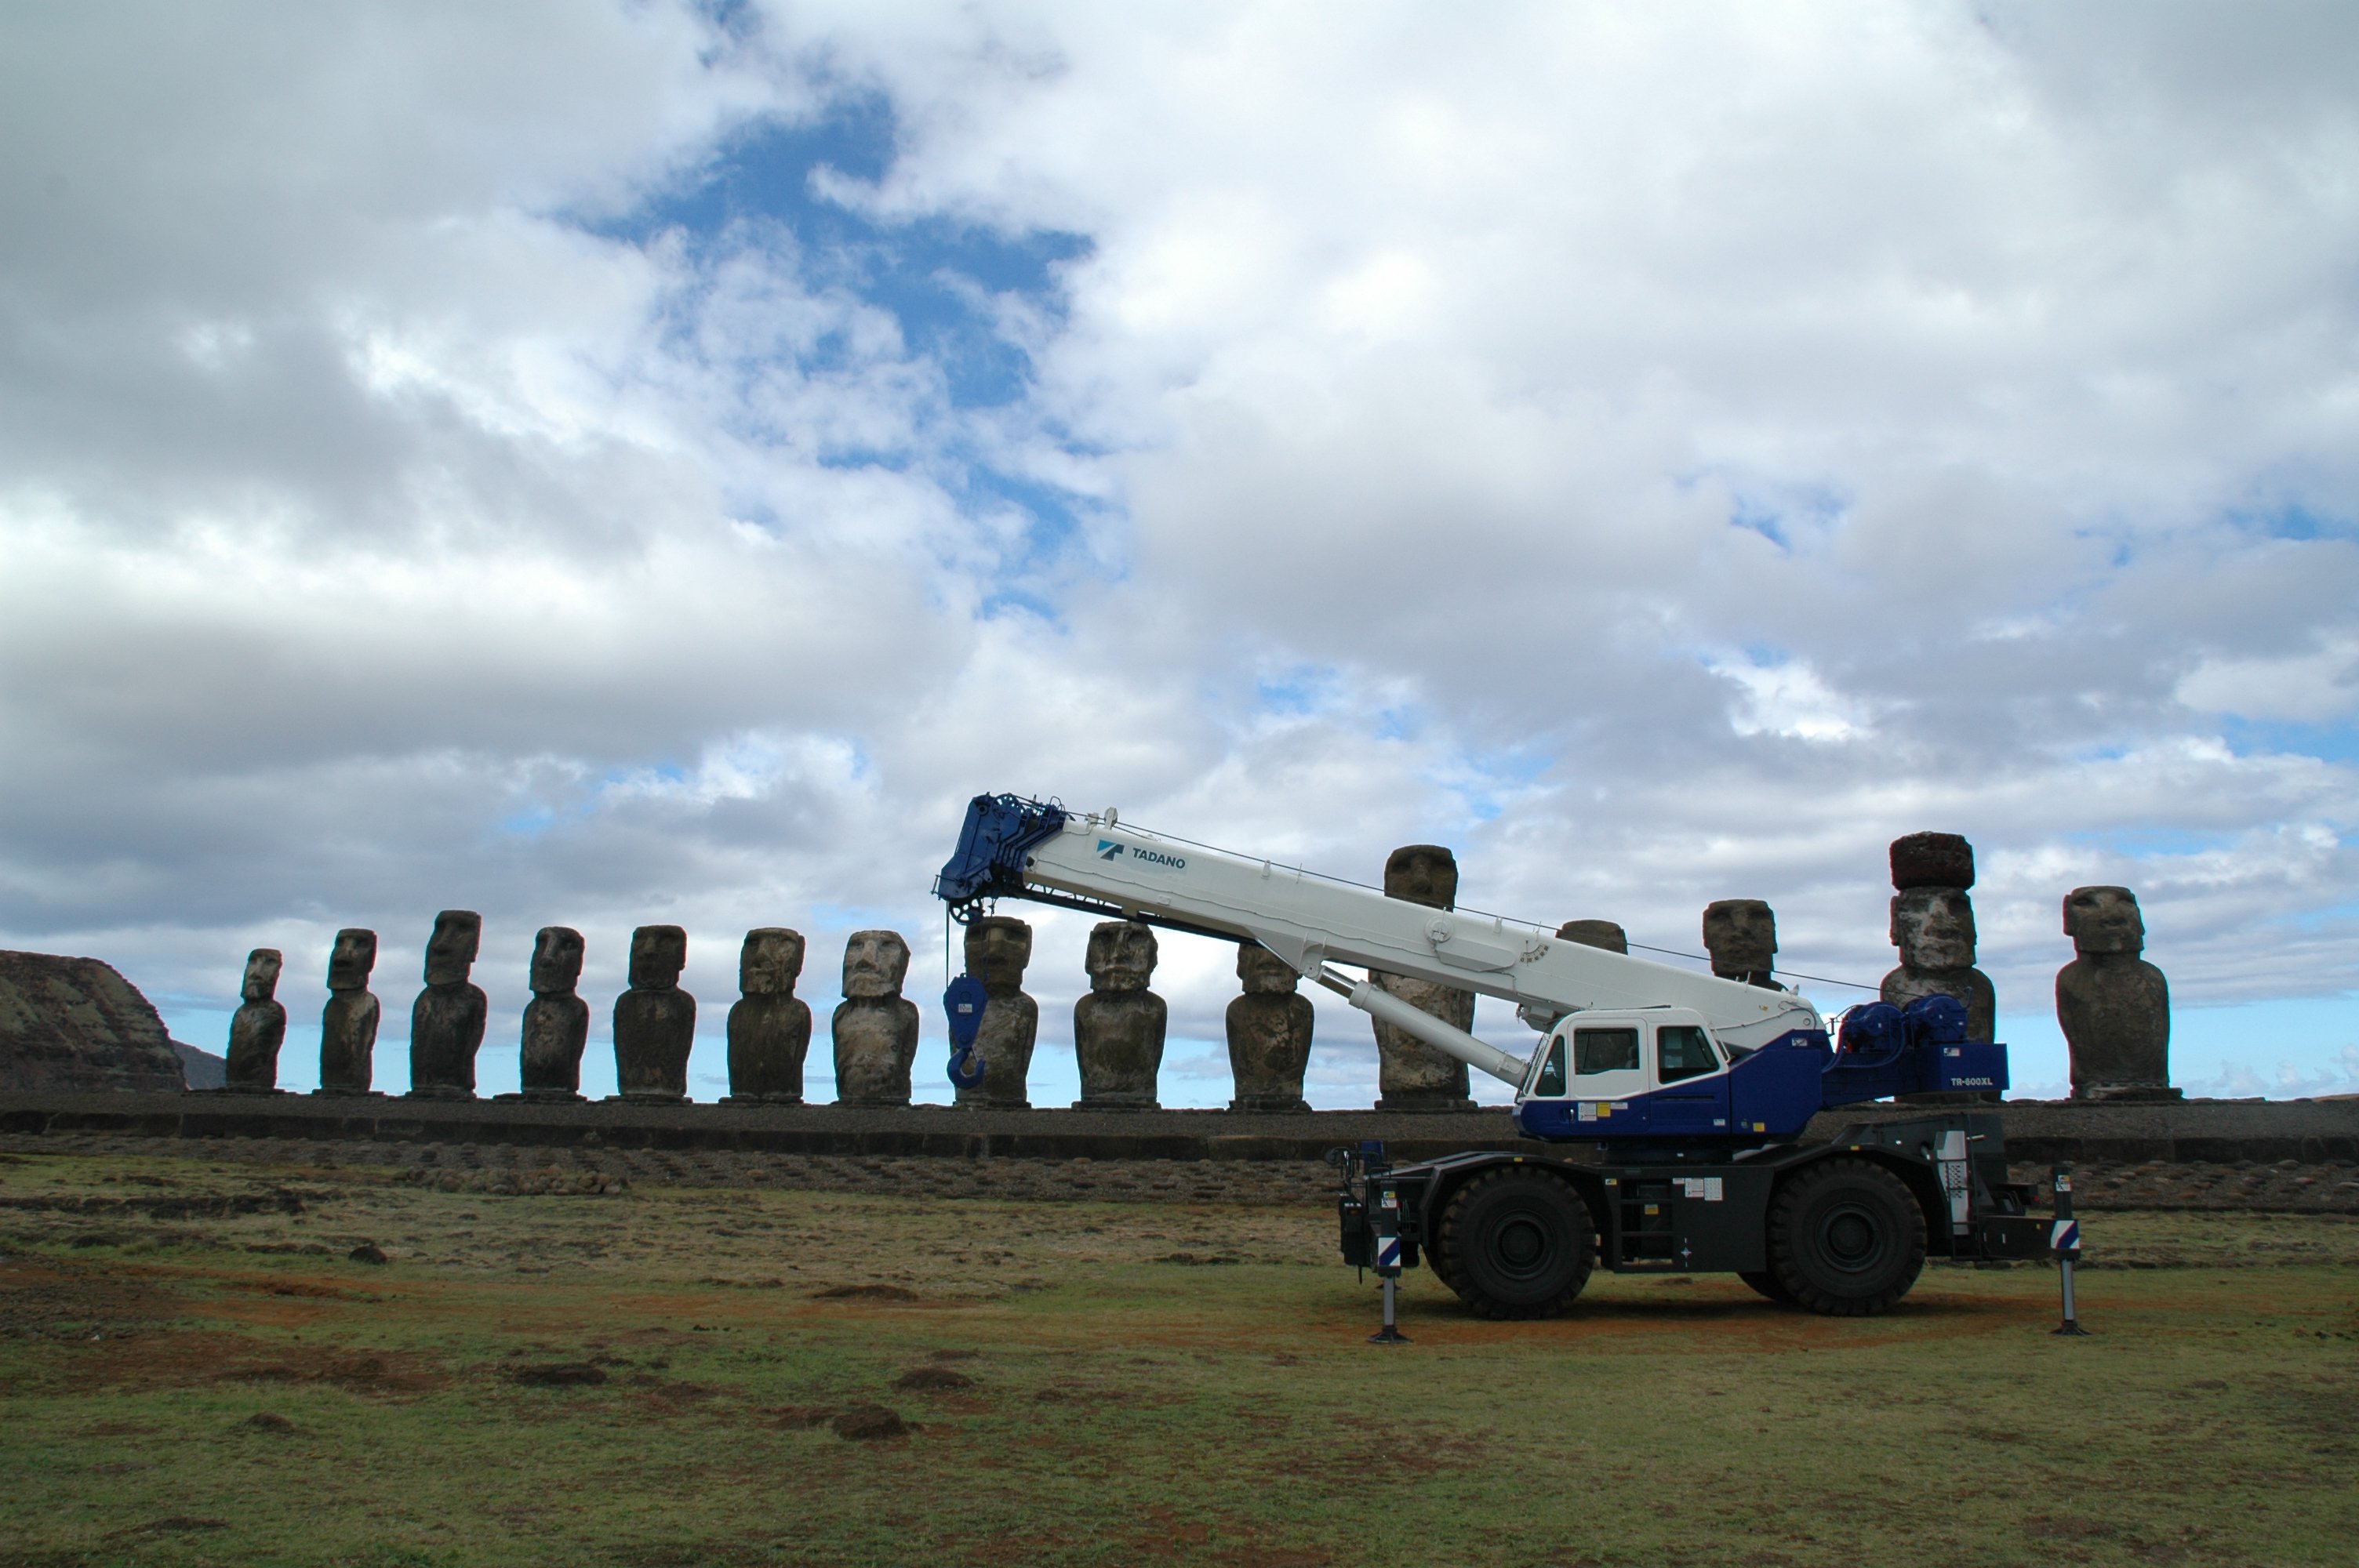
{"x": 1685, "y": 1052}
{"x": 1551, "y": 1080}
{"x": 1605, "y": 1051}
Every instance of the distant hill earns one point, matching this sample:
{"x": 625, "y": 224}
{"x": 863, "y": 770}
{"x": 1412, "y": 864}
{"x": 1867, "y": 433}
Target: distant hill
{"x": 74, "y": 1024}
{"x": 201, "y": 1069}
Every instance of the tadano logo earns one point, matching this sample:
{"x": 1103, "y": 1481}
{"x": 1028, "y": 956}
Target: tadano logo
{"x": 1114, "y": 849}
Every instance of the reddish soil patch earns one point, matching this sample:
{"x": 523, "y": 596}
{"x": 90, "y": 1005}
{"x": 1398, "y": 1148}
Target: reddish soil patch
{"x": 52, "y": 1298}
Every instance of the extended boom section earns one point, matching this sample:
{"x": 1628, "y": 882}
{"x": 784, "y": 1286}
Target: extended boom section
{"x": 1014, "y": 848}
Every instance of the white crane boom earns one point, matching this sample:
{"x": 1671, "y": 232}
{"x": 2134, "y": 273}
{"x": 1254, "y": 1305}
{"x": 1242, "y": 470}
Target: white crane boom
{"x": 1308, "y": 921}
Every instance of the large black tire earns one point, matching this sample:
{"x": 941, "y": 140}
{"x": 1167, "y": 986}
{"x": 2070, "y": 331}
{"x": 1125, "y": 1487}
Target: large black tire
{"x": 1764, "y": 1283}
{"x": 1518, "y": 1243}
{"x": 1846, "y": 1238}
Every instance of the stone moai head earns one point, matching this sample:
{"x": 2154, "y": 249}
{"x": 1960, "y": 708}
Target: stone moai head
{"x": 1741, "y": 934}
{"x": 1934, "y": 928}
{"x": 261, "y": 975}
{"x": 1121, "y": 956}
{"x": 555, "y": 960}
{"x": 1263, "y": 972}
{"x": 998, "y": 949}
{"x": 1932, "y": 860}
{"x": 2103, "y": 919}
{"x": 1422, "y": 873}
{"x": 1595, "y": 934}
{"x": 770, "y": 962}
{"x": 451, "y": 951}
{"x": 658, "y": 953}
{"x": 351, "y": 959}
{"x": 874, "y": 964}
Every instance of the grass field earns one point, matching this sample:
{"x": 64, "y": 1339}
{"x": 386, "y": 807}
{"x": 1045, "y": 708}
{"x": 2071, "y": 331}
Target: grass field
{"x": 192, "y": 1369}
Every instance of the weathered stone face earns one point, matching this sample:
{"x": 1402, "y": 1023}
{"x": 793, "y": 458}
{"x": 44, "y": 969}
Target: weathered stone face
{"x": 260, "y": 1028}
{"x": 557, "y": 953}
{"x": 1741, "y": 934}
{"x": 770, "y": 962}
{"x": 451, "y": 951}
{"x": 1118, "y": 1027}
{"x": 1410, "y": 1074}
{"x": 998, "y": 951}
{"x": 1603, "y": 934}
{"x": 1122, "y": 955}
{"x": 352, "y": 960}
{"x": 2103, "y": 919}
{"x": 655, "y": 1020}
{"x": 1934, "y": 928}
{"x": 1932, "y": 860}
{"x": 769, "y": 1026}
{"x": 261, "y": 981}
{"x": 658, "y": 953}
{"x": 1269, "y": 1033}
{"x": 556, "y": 1021}
{"x": 348, "y": 1025}
{"x": 1263, "y": 972}
{"x": 1422, "y": 873}
{"x": 446, "y": 1021}
{"x": 874, "y": 964}
{"x": 2114, "y": 1007}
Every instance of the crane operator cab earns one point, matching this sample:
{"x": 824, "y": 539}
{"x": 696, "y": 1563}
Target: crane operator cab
{"x": 1653, "y": 1073}
{"x": 1659, "y": 1073}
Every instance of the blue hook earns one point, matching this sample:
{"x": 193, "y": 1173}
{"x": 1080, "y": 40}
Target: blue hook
{"x": 964, "y": 1000}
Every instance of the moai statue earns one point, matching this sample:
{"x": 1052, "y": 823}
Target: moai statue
{"x": 446, "y": 1023}
{"x": 769, "y": 1026}
{"x": 348, "y": 1025}
{"x": 1595, "y": 934}
{"x": 1741, "y": 934}
{"x": 1269, "y": 1033}
{"x": 2113, "y": 1005}
{"x": 1410, "y": 1074}
{"x": 875, "y": 1027}
{"x": 998, "y": 948}
{"x": 655, "y": 1020}
{"x": 1118, "y": 1027}
{"x": 1934, "y": 926}
{"x": 260, "y": 1028}
{"x": 556, "y": 1020}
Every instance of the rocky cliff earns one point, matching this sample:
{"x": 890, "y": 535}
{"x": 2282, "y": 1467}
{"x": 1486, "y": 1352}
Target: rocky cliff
{"x": 74, "y": 1024}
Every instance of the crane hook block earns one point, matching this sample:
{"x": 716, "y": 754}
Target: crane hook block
{"x": 964, "y": 1000}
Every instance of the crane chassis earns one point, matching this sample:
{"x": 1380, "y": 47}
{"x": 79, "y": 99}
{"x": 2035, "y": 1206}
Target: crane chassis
{"x": 1665, "y": 1108}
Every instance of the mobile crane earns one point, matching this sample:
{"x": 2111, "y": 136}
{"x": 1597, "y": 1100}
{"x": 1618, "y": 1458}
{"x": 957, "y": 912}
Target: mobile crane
{"x": 1670, "y": 1102}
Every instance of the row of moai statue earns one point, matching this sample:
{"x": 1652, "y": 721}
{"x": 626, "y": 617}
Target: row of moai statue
{"x": 1118, "y": 1026}
{"x": 2113, "y": 1006}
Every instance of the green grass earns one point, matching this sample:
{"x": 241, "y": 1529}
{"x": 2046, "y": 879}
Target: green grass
{"x": 227, "y": 1387}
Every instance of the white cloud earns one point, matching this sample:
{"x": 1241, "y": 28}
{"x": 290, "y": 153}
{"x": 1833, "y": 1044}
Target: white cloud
{"x": 387, "y": 522}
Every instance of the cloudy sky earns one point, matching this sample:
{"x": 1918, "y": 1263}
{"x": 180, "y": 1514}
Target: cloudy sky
{"x": 611, "y": 463}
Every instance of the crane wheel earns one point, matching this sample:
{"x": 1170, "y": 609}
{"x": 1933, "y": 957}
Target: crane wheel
{"x": 1846, "y": 1238}
{"x": 1764, "y": 1283}
{"x": 1519, "y": 1242}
